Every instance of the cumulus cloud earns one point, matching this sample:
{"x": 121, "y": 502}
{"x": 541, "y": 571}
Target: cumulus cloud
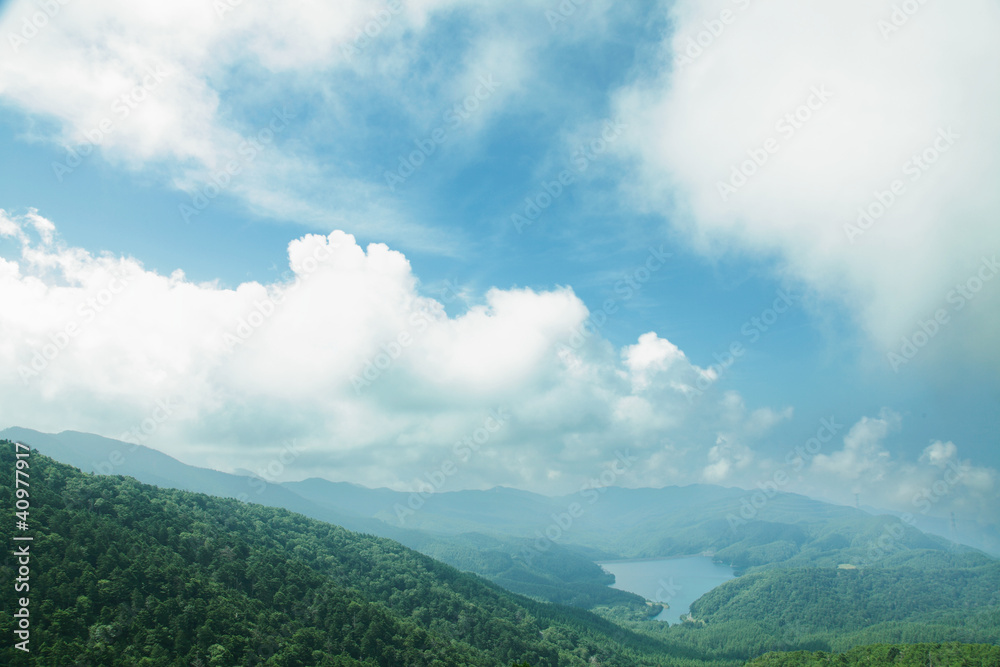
{"x": 724, "y": 458}
{"x": 867, "y": 464}
{"x": 344, "y": 359}
{"x": 343, "y": 355}
{"x": 940, "y": 481}
{"x": 766, "y": 133}
{"x": 655, "y": 358}
{"x": 863, "y": 457}
{"x": 939, "y": 453}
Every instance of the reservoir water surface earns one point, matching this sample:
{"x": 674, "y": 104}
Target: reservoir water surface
{"x": 675, "y": 581}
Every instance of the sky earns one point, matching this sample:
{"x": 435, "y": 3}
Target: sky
{"x": 733, "y": 239}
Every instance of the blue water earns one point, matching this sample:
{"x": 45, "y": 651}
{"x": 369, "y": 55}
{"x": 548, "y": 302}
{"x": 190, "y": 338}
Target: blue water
{"x": 675, "y": 581}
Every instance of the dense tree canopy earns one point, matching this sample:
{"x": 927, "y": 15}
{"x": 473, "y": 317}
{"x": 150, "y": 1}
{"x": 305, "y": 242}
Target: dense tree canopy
{"x": 125, "y": 573}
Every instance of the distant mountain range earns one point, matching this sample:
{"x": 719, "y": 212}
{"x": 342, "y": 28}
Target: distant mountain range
{"x": 612, "y": 521}
{"x": 123, "y": 573}
{"x": 127, "y": 573}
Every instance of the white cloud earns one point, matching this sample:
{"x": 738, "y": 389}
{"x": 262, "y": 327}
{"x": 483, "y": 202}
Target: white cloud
{"x": 860, "y": 466}
{"x": 890, "y": 98}
{"x": 939, "y": 482}
{"x": 939, "y": 453}
{"x": 654, "y": 358}
{"x": 375, "y": 382}
{"x": 726, "y": 457}
{"x": 863, "y": 458}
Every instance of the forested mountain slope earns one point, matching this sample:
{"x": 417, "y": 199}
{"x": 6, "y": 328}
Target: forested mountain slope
{"x": 844, "y": 600}
{"x": 561, "y": 575}
{"x": 128, "y": 574}
{"x": 829, "y": 609}
{"x": 889, "y": 655}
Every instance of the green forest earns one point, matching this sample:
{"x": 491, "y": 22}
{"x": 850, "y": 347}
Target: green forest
{"x": 124, "y": 573}
{"x": 888, "y": 655}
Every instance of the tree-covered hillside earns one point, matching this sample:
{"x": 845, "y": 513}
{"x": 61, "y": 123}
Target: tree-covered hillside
{"x": 833, "y": 609}
{"x": 889, "y": 655}
{"x": 847, "y": 600}
{"x": 129, "y": 574}
{"x": 561, "y": 575}
{"x": 508, "y": 543}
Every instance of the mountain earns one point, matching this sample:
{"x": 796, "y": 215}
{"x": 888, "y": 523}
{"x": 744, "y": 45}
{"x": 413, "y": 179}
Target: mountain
{"x": 889, "y": 655}
{"x": 841, "y": 600}
{"x": 750, "y": 533}
{"x": 982, "y": 535}
{"x": 537, "y": 539}
{"x": 562, "y": 576}
{"x": 99, "y": 455}
{"x": 124, "y": 573}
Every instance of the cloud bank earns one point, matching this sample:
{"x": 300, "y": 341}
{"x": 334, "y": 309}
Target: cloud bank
{"x": 855, "y": 146}
{"x": 344, "y": 360}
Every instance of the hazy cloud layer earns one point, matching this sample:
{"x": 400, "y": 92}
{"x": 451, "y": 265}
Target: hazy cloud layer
{"x": 771, "y": 128}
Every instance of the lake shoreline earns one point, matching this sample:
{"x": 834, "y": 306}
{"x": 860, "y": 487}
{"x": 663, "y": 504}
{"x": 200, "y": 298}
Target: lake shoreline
{"x": 674, "y": 582}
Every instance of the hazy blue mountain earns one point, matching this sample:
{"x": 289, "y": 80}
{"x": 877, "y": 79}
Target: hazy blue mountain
{"x": 749, "y": 530}
{"x": 981, "y": 536}
{"x": 99, "y": 455}
{"x": 743, "y": 528}
{"x": 125, "y": 573}
{"x": 563, "y": 576}
{"x": 175, "y": 571}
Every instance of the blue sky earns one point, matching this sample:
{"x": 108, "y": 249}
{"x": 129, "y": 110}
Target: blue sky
{"x": 508, "y": 98}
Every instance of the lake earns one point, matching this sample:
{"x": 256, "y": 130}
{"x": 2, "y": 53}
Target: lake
{"x": 674, "y": 581}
